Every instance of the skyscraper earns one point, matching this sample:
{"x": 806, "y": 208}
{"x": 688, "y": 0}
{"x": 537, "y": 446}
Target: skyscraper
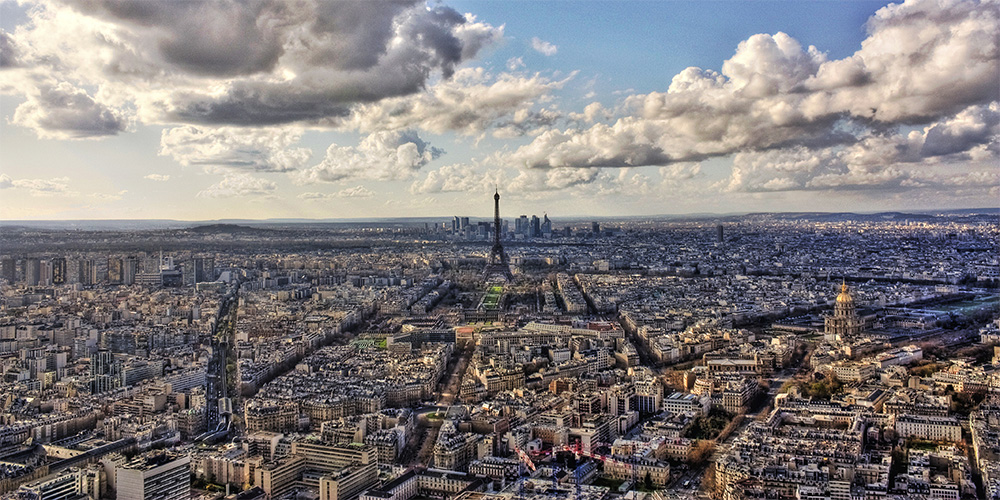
{"x": 130, "y": 269}
{"x": 87, "y": 269}
{"x": 59, "y": 271}
{"x": 32, "y": 271}
{"x": 116, "y": 270}
{"x": 7, "y": 270}
{"x": 720, "y": 236}
{"x": 204, "y": 269}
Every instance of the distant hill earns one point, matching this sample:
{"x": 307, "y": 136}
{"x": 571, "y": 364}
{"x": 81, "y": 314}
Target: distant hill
{"x": 226, "y": 229}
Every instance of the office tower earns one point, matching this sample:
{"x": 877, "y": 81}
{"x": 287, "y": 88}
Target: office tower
{"x": 7, "y": 270}
{"x": 464, "y": 223}
{"x": 187, "y": 273}
{"x": 719, "y": 230}
{"x": 546, "y": 225}
{"x": 595, "y": 228}
{"x": 456, "y": 223}
{"x": 116, "y": 271}
{"x": 58, "y": 270}
{"x": 45, "y": 273}
{"x": 536, "y": 227}
{"x": 204, "y": 269}
{"x": 497, "y": 265}
{"x": 87, "y": 271}
{"x": 130, "y": 269}
{"x": 32, "y": 271}
{"x": 155, "y": 476}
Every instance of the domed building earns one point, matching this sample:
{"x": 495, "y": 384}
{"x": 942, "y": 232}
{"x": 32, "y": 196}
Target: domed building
{"x": 844, "y": 322}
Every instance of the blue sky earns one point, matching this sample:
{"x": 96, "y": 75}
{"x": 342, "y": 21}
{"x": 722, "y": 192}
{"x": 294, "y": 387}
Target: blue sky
{"x": 362, "y": 109}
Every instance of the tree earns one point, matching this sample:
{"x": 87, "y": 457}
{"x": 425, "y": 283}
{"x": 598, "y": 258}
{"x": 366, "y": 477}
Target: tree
{"x": 648, "y": 481}
{"x": 702, "y": 451}
{"x": 708, "y": 482}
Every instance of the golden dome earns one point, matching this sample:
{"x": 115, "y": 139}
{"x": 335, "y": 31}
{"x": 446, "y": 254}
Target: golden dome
{"x": 844, "y": 296}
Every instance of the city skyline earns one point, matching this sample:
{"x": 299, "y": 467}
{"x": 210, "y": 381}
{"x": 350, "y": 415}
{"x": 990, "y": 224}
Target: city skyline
{"x": 196, "y": 111}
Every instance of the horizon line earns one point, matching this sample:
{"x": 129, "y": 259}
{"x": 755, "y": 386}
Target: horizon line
{"x": 348, "y": 219}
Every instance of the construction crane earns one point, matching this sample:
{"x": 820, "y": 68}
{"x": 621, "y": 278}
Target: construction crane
{"x": 575, "y": 449}
{"x": 525, "y": 459}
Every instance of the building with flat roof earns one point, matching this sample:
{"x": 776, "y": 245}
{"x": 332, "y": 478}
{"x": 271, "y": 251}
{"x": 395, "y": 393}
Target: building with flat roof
{"x": 155, "y": 476}
{"x": 348, "y": 483}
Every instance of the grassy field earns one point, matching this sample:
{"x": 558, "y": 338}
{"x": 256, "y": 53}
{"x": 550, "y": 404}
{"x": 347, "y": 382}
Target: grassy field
{"x": 492, "y": 298}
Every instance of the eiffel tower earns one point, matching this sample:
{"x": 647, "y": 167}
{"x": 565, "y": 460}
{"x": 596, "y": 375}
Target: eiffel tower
{"x": 497, "y": 265}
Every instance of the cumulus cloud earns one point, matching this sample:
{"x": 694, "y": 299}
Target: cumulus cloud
{"x": 470, "y": 103}
{"x": 247, "y": 149}
{"x": 387, "y": 155}
{"x": 62, "y": 111}
{"x": 543, "y": 47}
{"x": 457, "y": 178}
{"x": 358, "y": 191}
{"x": 794, "y": 119}
{"x": 217, "y": 63}
{"x": 349, "y": 53}
{"x": 971, "y": 137}
{"x": 8, "y": 51}
{"x": 6, "y": 182}
{"x": 157, "y": 177}
{"x": 238, "y": 185}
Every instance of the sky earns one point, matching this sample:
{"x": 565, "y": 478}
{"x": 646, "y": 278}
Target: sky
{"x": 201, "y": 110}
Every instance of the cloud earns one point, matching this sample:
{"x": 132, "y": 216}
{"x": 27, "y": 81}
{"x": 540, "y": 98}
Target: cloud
{"x": 358, "y": 191}
{"x": 389, "y": 155}
{"x": 352, "y": 53}
{"x": 157, "y": 177}
{"x": 62, "y": 111}
{"x": 543, "y": 47}
{"x": 794, "y": 119}
{"x": 235, "y": 149}
{"x": 457, "y": 178}
{"x": 110, "y": 197}
{"x": 37, "y": 187}
{"x": 470, "y": 103}
{"x": 238, "y": 185}
{"x": 262, "y": 63}
{"x": 8, "y": 51}
{"x": 970, "y": 138}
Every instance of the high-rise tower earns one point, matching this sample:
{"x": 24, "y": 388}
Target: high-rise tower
{"x": 497, "y": 265}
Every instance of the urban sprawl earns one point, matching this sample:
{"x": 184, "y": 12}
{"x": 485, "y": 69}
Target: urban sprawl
{"x": 746, "y": 357}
